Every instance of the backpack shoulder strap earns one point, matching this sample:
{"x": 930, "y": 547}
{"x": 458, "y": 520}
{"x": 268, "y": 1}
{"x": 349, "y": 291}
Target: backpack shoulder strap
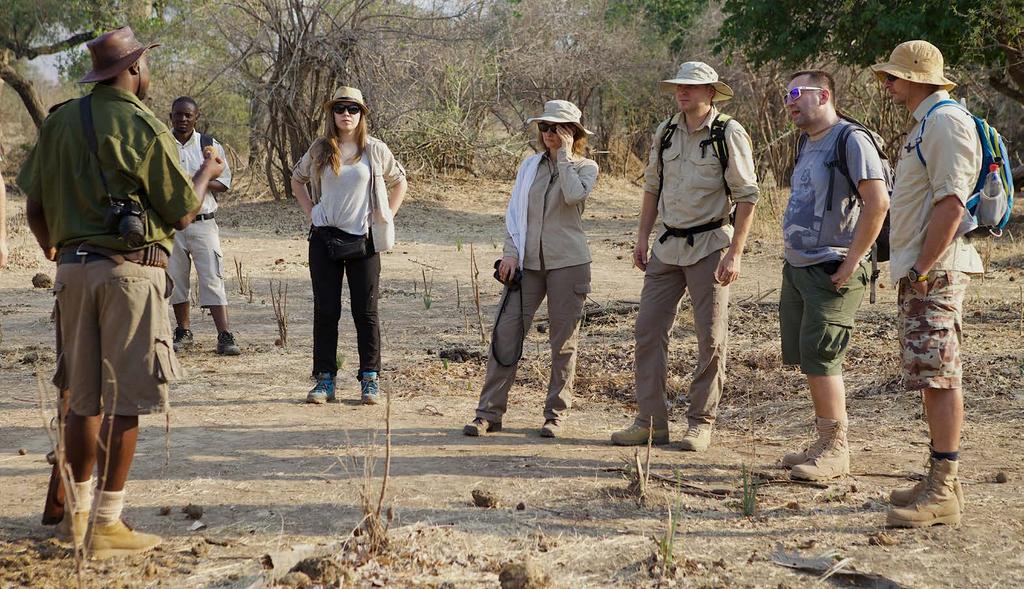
{"x": 664, "y": 142}
{"x": 924, "y": 121}
{"x": 717, "y": 139}
{"x": 89, "y": 129}
{"x": 205, "y": 141}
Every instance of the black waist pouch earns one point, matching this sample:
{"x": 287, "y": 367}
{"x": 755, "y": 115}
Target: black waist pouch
{"x": 342, "y": 245}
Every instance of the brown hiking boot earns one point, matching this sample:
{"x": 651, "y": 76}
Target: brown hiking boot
{"x": 828, "y": 457}
{"x": 636, "y": 435}
{"x": 117, "y": 539}
{"x": 937, "y": 503}
{"x": 905, "y": 497}
{"x": 697, "y": 438}
{"x": 480, "y": 426}
{"x": 63, "y": 531}
{"x": 552, "y": 428}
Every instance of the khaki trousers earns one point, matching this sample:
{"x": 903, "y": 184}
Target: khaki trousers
{"x": 566, "y": 290}
{"x": 664, "y": 285}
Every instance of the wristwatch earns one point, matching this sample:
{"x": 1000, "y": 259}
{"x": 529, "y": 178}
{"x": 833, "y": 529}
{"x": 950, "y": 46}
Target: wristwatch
{"x": 914, "y": 276}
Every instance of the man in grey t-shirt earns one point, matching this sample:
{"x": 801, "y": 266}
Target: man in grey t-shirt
{"x": 828, "y": 229}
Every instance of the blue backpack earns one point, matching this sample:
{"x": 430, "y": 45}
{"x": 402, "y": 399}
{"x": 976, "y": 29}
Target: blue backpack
{"x": 993, "y": 150}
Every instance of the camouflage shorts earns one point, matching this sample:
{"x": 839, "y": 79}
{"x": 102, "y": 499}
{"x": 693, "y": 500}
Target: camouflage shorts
{"x": 930, "y": 331}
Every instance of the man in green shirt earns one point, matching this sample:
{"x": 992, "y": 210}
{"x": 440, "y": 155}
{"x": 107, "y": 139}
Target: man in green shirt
{"x": 115, "y": 354}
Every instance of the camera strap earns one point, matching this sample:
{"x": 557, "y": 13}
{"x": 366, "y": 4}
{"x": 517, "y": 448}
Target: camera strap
{"x": 85, "y": 112}
{"x": 522, "y": 328}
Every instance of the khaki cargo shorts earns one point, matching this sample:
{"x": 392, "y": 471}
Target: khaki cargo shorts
{"x": 930, "y": 331}
{"x": 115, "y": 354}
{"x": 198, "y": 244}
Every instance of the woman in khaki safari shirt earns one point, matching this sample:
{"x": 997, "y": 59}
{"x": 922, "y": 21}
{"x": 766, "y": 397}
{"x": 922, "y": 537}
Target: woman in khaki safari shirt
{"x": 546, "y": 247}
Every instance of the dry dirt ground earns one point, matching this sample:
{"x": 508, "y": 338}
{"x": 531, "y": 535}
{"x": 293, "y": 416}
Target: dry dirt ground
{"x": 272, "y": 473}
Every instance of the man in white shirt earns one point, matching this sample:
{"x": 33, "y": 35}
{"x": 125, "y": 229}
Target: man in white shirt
{"x": 199, "y": 243}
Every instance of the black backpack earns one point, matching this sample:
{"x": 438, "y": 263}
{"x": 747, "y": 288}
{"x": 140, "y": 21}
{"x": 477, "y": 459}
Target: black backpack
{"x": 880, "y": 249}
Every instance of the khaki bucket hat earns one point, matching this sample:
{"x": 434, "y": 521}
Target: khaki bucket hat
{"x": 698, "y": 73}
{"x": 560, "y": 111}
{"x": 347, "y": 94}
{"x": 915, "y": 61}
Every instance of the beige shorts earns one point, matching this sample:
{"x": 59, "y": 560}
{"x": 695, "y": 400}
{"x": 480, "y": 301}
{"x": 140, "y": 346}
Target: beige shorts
{"x": 116, "y": 355}
{"x": 198, "y": 244}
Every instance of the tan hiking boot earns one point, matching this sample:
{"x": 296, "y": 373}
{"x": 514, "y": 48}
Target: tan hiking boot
{"x": 117, "y": 539}
{"x": 905, "y": 497}
{"x": 63, "y": 531}
{"x": 552, "y": 428}
{"x": 697, "y": 438}
{"x": 794, "y": 458}
{"x": 936, "y": 504}
{"x": 828, "y": 457}
{"x": 636, "y": 435}
{"x": 480, "y": 426}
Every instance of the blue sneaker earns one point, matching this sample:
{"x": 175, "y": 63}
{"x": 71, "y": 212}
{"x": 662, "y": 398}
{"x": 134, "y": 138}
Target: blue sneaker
{"x": 324, "y": 389}
{"x": 369, "y": 388}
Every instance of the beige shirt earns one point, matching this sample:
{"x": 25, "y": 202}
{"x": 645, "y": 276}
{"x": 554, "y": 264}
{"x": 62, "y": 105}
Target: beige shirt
{"x": 554, "y": 215}
{"x": 693, "y": 192}
{"x": 952, "y": 150}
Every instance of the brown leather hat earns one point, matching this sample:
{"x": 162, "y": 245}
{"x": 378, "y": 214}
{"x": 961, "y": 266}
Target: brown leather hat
{"x": 112, "y": 53}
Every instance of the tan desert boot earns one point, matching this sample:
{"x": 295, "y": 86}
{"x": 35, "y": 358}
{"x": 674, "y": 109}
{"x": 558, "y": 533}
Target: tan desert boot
{"x": 117, "y": 539}
{"x": 936, "y": 504}
{"x": 64, "y": 528}
{"x": 831, "y": 456}
{"x": 795, "y": 458}
{"x": 905, "y": 497}
{"x": 480, "y": 426}
{"x": 636, "y": 435}
{"x": 697, "y": 438}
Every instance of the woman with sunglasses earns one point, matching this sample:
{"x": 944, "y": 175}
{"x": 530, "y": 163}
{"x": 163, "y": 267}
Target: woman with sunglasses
{"x": 546, "y": 255}
{"x": 350, "y": 186}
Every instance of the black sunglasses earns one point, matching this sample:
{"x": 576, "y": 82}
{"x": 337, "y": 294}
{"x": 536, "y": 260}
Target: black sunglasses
{"x": 547, "y": 128}
{"x": 351, "y": 109}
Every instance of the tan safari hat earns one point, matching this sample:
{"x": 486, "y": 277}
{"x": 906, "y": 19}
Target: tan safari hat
{"x": 347, "y": 94}
{"x": 560, "y": 111}
{"x": 698, "y": 73}
{"x": 915, "y": 61}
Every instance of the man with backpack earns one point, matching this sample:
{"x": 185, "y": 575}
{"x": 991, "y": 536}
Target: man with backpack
{"x": 199, "y": 243}
{"x": 836, "y": 209}
{"x": 931, "y": 262}
{"x": 700, "y": 180}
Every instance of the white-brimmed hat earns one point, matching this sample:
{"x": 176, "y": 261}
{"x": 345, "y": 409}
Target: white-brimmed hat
{"x": 916, "y": 61}
{"x": 560, "y": 111}
{"x": 698, "y": 73}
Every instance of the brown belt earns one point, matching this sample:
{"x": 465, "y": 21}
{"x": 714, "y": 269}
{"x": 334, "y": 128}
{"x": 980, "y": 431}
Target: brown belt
{"x": 153, "y": 255}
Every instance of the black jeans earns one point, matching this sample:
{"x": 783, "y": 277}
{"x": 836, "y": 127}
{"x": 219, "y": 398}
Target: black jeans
{"x": 363, "y": 283}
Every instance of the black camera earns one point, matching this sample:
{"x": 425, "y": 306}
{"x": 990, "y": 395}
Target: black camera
{"x": 127, "y": 219}
{"x": 512, "y": 283}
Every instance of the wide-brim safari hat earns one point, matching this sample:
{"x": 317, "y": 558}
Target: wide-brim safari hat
{"x": 112, "y": 53}
{"x": 560, "y": 111}
{"x": 347, "y": 94}
{"x": 698, "y": 73}
{"x": 915, "y": 61}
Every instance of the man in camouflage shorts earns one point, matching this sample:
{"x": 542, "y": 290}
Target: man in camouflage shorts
{"x": 931, "y": 263}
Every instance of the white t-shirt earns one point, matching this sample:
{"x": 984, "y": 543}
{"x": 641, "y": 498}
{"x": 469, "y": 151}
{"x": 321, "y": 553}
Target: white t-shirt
{"x": 191, "y": 157}
{"x": 345, "y": 198}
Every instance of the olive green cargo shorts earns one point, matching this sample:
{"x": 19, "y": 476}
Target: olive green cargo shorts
{"x": 816, "y": 320}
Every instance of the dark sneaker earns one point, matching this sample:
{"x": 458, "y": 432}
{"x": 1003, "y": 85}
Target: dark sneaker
{"x": 481, "y": 426}
{"x": 323, "y": 391}
{"x": 369, "y": 388}
{"x": 226, "y": 345}
{"x": 182, "y": 339}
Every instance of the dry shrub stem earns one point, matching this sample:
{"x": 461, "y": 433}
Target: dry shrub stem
{"x": 279, "y": 300}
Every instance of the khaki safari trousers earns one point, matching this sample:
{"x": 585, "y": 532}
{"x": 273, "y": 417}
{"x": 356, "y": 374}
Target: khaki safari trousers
{"x": 566, "y": 290}
{"x": 664, "y": 285}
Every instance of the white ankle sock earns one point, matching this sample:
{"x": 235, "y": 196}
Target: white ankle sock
{"x": 108, "y": 506}
{"x": 83, "y": 495}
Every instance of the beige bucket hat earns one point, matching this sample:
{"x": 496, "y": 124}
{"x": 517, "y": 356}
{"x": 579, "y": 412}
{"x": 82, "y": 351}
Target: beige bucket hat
{"x": 698, "y": 73}
{"x": 915, "y": 61}
{"x": 347, "y": 94}
{"x": 560, "y": 111}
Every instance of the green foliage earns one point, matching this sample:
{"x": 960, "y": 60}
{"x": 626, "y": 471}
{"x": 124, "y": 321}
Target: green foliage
{"x": 750, "y": 484}
{"x": 859, "y": 32}
{"x": 671, "y": 19}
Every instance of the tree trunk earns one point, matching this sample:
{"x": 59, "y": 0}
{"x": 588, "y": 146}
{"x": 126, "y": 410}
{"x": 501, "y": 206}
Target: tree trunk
{"x": 24, "y": 88}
